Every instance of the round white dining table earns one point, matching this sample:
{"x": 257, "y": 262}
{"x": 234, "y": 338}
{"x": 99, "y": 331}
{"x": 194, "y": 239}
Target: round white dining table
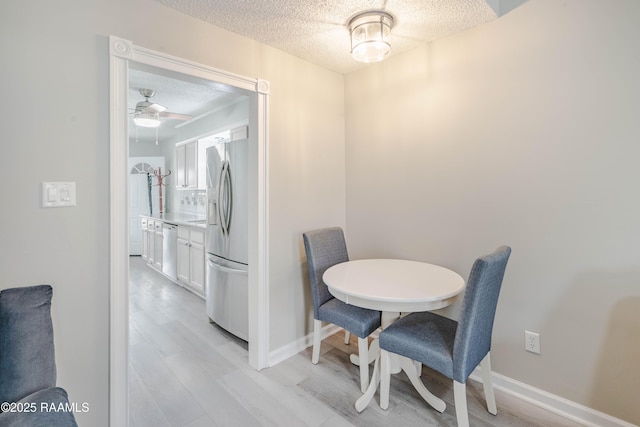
{"x": 393, "y": 286}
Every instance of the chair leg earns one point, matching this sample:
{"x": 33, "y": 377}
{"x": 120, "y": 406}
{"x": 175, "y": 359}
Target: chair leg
{"x": 363, "y": 354}
{"x": 487, "y": 385}
{"x": 385, "y": 379}
{"x": 347, "y": 336}
{"x": 460, "y": 400}
{"x": 317, "y": 327}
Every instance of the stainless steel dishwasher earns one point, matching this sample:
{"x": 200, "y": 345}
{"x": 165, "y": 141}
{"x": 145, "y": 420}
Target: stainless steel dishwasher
{"x": 170, "y": 250}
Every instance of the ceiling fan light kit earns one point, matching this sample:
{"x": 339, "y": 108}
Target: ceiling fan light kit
{"x": 369, "y": 36}
{"x": 146, "y": 119}
{"x": 149, "y": 115}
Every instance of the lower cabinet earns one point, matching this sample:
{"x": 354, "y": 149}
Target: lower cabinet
{"x": 191, "y": 259}
{"x": 190, "y": 253}
{"x": 145, "y": 239}
{"x": 152, "y": 242}
{"x": 157, "y": 245}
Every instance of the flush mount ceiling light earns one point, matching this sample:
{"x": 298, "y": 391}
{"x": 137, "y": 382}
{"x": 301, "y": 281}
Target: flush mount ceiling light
{"x": 147, "y": 119}
{"x": 369, "y": 36}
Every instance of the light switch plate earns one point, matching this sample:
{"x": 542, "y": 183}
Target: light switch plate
{"x": 58, "y": 194}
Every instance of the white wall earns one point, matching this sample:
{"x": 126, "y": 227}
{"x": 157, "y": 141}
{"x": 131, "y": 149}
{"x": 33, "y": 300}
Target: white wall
{"x": 523, "y": 131}
{"x": 55, "y": 67}
{"x": 307, "y": 182}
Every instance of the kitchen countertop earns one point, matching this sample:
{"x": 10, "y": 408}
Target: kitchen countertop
{"x": 180, "y": 219}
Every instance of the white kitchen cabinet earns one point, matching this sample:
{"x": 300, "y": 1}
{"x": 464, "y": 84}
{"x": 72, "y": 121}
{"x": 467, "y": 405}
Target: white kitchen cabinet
{"x": 191, "y": 259}
{"x": 152, "y": 242}
{"x": 145, "y": 240}
{"x": 149, "y": 236}
{"x": 183, "y": 255}
{"x": 197, "y": 262}
{"x": 157, "y": 244}
{"x": 187, "y": 165}
{"x": 181, "y": 152}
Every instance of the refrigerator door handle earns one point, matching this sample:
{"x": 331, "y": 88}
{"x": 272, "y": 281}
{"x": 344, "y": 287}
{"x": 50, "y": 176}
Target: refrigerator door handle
{"x": 224, "y": 198}
{"x": 220, "y": 196}
{"x": 218, "y": 188}
{"x": 228, "y": 196}
{"x": 225, "y": 269}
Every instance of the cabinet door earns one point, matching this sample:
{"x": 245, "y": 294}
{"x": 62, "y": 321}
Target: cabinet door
{"x": 145, "y": 242}
{"x": 158, "y": 249}
{"x": 187, "y": 165}
{"x": 180, "y": 166}
{"x": 191, "y": 165}
{"x": 183, "y": 261}
{"x": 149, "y": 237}
{"x": 196, "y": 257}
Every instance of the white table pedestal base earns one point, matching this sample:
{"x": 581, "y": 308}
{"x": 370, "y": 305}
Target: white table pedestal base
{"x": 392, "y": 364}
{"x": 387, "y": 318}
{"x": 409, "y": 367}
{"x": 364, "y": 400}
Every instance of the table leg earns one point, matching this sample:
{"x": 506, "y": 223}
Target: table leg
{"x": 388, "y": 317}
{"x": 374, "y": 349}
{"x": 409, "y": 368}
{"x": 364, "y": 400}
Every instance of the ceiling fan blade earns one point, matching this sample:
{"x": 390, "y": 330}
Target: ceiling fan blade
{"x": 175, "y": 116}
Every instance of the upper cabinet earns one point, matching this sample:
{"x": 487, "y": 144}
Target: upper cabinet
{"x": 187, "y": 165}
{"x": 191, "y": 157}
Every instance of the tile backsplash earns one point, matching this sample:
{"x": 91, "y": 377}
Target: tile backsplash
{"x": 191, "y": 201}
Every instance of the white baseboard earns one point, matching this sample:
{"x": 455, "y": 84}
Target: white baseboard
{"x": 558, "y": 405}
{"x": 297, "y": 346}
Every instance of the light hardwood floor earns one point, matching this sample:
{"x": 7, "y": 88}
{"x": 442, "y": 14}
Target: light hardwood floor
{"x": 185, "y": 371}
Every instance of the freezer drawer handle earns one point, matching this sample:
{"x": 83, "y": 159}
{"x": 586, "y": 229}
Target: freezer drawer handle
{"x": 225, "y": 269}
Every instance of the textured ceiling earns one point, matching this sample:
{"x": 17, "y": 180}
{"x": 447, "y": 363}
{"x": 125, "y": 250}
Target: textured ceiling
{"x": 316, "y": 30}
{"x": 180, "y": 94}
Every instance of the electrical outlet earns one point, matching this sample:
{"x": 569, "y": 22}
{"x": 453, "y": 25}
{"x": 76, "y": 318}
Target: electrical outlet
{"x": 532, "y": 342}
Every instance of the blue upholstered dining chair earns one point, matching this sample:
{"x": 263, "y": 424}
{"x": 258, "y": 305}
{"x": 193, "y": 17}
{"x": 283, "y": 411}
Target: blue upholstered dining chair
{"x": 453, "y": 348}
{"x": 27, "y": 361}
{"x": 325, "y": 248}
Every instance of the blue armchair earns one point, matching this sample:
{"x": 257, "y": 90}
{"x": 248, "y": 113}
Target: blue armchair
{"x": 28, "y": 391}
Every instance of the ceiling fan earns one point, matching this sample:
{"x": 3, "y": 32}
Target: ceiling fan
{"x": 149, "y": 114}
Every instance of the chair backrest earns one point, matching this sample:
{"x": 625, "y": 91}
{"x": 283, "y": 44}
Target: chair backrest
{"x": 473, "y": 336}
{"x": 27, "y": 358}
{"x": 324, "y": 248}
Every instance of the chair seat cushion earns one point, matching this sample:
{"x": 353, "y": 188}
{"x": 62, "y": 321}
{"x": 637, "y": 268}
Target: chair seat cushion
{"x": 45, "y": 408}
{"x": 359, "y": 321}
{"x": 426, "y": 337}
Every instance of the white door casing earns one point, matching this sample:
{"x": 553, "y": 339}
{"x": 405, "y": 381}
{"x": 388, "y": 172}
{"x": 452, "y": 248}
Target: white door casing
{"x": 121, "y": 53}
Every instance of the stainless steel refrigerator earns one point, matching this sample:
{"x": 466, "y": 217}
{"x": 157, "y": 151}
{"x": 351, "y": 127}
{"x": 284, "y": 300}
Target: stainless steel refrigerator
{"x": 227, "y": 238}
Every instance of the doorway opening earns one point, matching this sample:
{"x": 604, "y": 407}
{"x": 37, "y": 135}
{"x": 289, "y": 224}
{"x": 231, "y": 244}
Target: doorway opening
{"x": 123, "y": 56}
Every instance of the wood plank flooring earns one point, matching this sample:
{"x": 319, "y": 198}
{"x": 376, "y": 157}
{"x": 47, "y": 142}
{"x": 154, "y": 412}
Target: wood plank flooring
{"x": 186, "y": 372}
